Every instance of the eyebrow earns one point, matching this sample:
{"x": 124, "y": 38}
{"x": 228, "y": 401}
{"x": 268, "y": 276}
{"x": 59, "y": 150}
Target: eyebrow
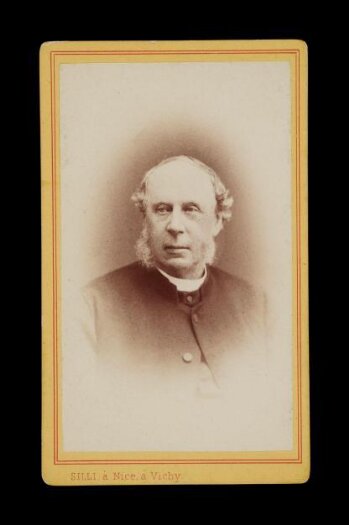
{"x": 160, "y": 203}
{"x": 191, "y": 203}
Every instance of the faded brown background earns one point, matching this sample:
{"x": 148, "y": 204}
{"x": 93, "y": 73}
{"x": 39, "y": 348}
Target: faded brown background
{"x": 118, "y": 120}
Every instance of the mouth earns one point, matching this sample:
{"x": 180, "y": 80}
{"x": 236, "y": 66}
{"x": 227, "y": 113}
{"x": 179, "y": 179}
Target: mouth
{"x": 173, "y": 249}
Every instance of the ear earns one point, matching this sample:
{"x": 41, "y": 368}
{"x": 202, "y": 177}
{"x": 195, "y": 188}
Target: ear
{"x": 218, "y": 226}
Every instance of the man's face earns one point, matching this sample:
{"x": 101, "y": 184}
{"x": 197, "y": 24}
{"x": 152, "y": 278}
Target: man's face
{"x": 181, "y": 218}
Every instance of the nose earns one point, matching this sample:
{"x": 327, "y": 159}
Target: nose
{"x": 175, "y": 223}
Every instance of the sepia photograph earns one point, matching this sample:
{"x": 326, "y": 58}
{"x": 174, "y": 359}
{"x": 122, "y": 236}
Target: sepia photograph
{"x": 174, "y": 251}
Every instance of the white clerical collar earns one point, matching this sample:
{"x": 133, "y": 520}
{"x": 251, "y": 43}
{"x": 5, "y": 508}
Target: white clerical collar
{"x": 185, "y": 285}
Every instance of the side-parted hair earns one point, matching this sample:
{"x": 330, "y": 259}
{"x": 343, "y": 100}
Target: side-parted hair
{"x": 223, "y": 199}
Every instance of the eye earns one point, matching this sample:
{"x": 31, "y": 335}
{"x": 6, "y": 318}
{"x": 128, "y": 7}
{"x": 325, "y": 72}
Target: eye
{"x": 191, "y": 208}
{"x": 162, "y": 209}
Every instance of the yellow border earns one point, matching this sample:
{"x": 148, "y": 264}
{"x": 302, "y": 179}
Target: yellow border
{"x": 187, "y": 468}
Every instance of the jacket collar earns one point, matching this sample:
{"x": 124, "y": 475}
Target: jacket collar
{"x": 185, "y": 285}
{"x": 159, "y": 284}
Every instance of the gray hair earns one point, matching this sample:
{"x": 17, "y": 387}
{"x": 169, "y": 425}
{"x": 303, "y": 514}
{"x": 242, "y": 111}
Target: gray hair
{"x": 223, "y": 199}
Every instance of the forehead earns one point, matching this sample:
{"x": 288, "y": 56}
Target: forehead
{"x": 180, "y": 181}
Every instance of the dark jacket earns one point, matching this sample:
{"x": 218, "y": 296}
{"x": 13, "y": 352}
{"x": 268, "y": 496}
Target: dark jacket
{"x": 144, "y": 327}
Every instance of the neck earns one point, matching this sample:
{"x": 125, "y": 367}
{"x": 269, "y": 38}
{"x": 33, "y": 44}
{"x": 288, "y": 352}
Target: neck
{"x": 197, "y": 273}
{"x": 187, "y": 284}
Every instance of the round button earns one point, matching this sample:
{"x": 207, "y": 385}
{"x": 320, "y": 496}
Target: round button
{"x": 189, "y": 298}
{"x": 195, "y": 318}
{"x": 187, "y": 357}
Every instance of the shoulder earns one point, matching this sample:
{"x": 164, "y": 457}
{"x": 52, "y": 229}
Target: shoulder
{"x": 126, "y": 273}
{"x": 121, "y": 280}
{"x": 231, "y": 281}
{"x": 236, "y": 288}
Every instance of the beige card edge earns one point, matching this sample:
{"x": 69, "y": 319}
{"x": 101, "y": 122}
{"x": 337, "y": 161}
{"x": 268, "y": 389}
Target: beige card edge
{"x": 204, "y": 468}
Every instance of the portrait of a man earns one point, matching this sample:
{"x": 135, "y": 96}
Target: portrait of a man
{"x": 172, "y": 315}
{"x": 176, "y": 257}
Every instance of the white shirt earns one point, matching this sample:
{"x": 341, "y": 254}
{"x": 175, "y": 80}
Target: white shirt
{"x": 185, "y": 285}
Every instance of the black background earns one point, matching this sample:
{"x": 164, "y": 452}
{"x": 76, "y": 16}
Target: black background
{"x": 263, "y": 499}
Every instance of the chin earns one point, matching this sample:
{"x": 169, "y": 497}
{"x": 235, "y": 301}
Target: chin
{"x": 180, "y": 269}
{"x": 177, "y": 265}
